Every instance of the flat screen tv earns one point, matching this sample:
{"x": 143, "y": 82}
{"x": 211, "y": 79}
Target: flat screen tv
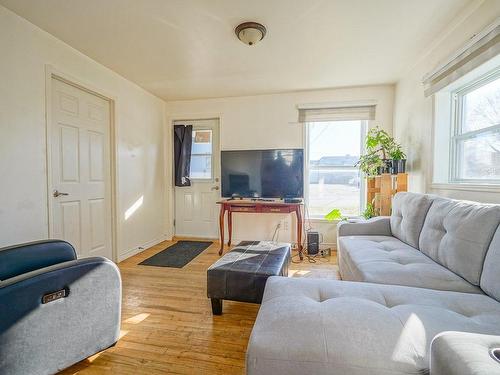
{"x": 263, "y": 173}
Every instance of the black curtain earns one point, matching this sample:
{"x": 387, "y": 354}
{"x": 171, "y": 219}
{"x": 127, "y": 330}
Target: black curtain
{"x": 182, "y": 153}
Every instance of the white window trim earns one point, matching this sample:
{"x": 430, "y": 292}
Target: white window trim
{"x": 487, "y": 188}
{"x": 362, "y": 185}
{"x": 439, "y": 175}
{"x": 457, "y": 135}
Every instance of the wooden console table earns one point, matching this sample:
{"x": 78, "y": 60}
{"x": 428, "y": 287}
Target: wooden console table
{"x": 251, "y": 206}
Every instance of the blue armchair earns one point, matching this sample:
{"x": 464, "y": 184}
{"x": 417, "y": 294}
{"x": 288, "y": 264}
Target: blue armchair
{"x": 55, "y": 310}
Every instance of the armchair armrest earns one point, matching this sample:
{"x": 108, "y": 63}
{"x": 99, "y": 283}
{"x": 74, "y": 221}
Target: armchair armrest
{"x": 52, "y": 334}
{"x": 464, "y": 353}
{"x": 376, "y": 226}
{"x": 27, "y": 257}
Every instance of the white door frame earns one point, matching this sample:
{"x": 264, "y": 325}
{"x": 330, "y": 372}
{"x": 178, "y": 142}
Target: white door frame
{"x": 52, "y": 73}
{"x": 169, "y": 155}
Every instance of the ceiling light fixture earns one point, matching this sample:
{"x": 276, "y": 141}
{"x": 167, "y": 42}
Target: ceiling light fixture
{"x": 250, "y": 32}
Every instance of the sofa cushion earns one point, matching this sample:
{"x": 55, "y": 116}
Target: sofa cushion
{"x": 457, "y": 234}
{"x": 318, "y": 326}
{"x": 490, "y": 277}
{"x": 387, "y": 260}
{"x": 408, "y": 215}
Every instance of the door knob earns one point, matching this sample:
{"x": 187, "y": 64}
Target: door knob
{"x": 214, "y": 188}
{"x": 57, "y": 193}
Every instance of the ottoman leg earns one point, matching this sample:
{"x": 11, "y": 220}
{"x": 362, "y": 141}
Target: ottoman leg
{"x": 216, "y": 306}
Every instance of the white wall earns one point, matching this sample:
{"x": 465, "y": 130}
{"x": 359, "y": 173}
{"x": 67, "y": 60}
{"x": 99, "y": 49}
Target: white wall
{"x": 270, "y": 121}
{"x": 413, "y": 112}
{"x": 25, "y": 50}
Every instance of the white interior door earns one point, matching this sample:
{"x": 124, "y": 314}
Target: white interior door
{"x": 80, "y": 170}
{"x": 196, "y": 211}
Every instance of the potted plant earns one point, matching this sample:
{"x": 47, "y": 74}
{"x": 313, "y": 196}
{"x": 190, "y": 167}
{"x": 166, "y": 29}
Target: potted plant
{"x": 383, "y": 154}
{"x": 398, "y": 159}
{"x": 378, "y": 145}
{"x": 370, "y": 164}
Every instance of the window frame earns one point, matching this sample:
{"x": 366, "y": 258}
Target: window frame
{"x": 362, "y": 184}
{"x": 212, "y": 177}
{"x": 456, "y": 133}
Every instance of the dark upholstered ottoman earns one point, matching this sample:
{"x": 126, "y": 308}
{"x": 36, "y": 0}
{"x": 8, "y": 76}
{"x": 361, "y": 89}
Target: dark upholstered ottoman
{"x": 241, "y": 274}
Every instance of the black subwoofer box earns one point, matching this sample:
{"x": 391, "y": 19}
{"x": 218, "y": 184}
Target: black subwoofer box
{"x": 312, "y": 243}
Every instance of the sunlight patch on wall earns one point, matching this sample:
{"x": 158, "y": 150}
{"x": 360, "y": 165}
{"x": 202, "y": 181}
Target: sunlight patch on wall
{"x": 130, "y": 211}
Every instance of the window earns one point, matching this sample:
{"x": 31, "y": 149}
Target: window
{"x": 201, "y": 155}
{"x": 333, "y": 148}
{"x": 475, "y": 141}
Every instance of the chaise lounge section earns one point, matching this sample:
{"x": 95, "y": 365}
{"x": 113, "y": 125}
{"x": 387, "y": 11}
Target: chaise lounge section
{"x": 432, "y": 267}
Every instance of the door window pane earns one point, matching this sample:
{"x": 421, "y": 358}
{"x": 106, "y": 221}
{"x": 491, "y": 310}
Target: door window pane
{"x": 201, "y": 155}
{"x": 334, "y": 182}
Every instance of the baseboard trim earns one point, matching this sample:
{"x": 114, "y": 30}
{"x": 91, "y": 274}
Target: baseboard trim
{"x": 138, "y": 249}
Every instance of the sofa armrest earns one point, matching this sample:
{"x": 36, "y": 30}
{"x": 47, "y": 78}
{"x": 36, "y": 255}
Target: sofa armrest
{"x": 376, "y": 226}
{"x": 27, "y": 257}
{"x": 462, "y": 353}
{"x": 56, "y": 333}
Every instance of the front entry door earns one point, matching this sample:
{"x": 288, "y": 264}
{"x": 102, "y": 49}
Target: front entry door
{"x": 196, "y": 213}
{"x": 80, "y": 170}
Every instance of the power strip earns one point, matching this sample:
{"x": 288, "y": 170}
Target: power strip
{"x": 325, "y": 252}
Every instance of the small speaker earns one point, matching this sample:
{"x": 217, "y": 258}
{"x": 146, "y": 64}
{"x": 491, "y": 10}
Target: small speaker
{"x": 312, "y": 243}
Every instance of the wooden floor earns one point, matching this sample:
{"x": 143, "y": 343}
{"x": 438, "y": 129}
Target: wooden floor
{"x": 168, "y": 326}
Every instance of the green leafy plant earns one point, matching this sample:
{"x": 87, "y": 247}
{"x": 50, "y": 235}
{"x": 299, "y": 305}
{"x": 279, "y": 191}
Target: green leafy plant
{"x": 369, "y": 164}
{"x": 379, "y": 146}
{"x": 335, "y": 214}
{"x": 379, "y": 141}
{"x": 396, "y": 153}
{"x": 369, "y": 211}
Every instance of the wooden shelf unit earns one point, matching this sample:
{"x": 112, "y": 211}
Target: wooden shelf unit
{"x": 381, "y": 189}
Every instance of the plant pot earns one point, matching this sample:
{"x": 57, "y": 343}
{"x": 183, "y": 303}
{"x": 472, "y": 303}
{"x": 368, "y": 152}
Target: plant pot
{"x": 386, "y": 168}
{"x": 399, "y": 166}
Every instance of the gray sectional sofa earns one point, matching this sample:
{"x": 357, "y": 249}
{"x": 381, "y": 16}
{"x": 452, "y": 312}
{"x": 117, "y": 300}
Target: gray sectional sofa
{"x": 432, "y": 267}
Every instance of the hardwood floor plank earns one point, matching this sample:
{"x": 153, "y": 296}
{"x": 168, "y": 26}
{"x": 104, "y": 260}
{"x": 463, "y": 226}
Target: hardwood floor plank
{"x": 167, "y": 321}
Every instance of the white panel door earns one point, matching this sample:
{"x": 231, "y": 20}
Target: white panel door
{"x": 196, "y": 210}
{"x": 80, "y": 194}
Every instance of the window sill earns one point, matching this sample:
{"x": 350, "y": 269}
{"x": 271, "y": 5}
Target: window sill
{"x": 467, "y": 187}
{"x": 322, "y": 220}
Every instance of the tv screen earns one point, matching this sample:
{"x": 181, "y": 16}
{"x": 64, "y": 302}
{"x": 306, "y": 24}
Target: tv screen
{"x": 263, "y": 173}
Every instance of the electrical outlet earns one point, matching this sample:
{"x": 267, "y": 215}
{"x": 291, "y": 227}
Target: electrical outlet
{"x": 286, "y": 225}
{"x": 325, "y": 252}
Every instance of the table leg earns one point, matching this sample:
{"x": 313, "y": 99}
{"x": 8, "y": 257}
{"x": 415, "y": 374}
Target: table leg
{"x": 229, "y": 226}
{"x": 299, "y": 232}
{"x": 221, "y": 228}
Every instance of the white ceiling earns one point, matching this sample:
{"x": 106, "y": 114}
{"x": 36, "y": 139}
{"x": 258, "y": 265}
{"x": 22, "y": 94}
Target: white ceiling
{"x": 186, "y": 49}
